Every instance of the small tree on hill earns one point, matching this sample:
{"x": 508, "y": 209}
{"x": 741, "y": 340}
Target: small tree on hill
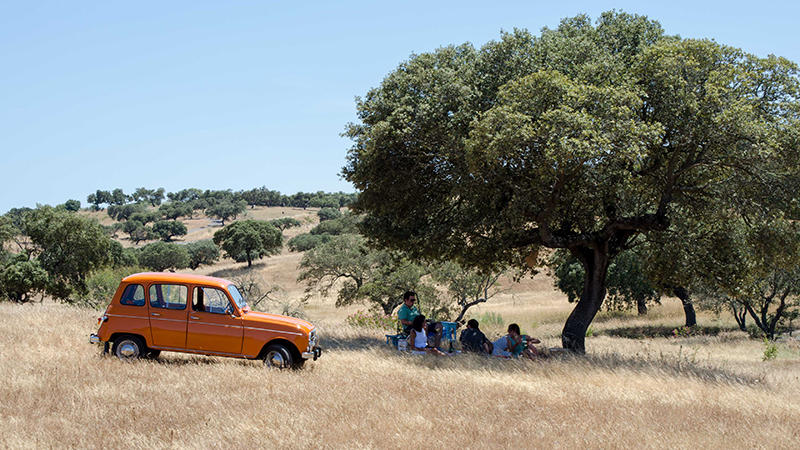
{"x": 329, "y": 213}
{"x": 247, "y": 240}
{"x": 167, "y": 229}
{"x": 21, "y": 277}
{"x": 226, "y": 210}
{"x": 203, "y": 252}
{"x": 72, "y": 205}
{"x": 161, "y": 256}
{"x": 285, "y": 222}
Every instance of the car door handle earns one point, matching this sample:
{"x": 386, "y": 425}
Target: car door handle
{"x": 155, "y": 314}
{"x": 194, "y": 317}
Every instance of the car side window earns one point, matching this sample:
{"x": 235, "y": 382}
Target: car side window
{"x": 210, "y": 300}
{"x": 168, "y": 296}
{"x": 133, "y": 295}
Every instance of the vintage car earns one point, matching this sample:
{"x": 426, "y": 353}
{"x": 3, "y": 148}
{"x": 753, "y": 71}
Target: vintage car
{"x": 154, "y": 312}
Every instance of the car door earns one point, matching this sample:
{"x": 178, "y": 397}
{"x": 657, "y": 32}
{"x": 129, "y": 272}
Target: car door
{"x": 167, "y": 306}
{"x": 213, "y": 326}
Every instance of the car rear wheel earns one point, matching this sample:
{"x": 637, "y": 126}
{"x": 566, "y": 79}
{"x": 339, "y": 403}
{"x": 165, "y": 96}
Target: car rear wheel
{"x": 128, "y": 348}
{"x": 278, "y": 356}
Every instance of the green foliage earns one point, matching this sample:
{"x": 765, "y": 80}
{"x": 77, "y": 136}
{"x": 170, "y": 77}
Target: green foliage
{"x": 346, "y": 224}
{"x": 20, "y": 278}
{"x": 123, "y": 257}
{"x": 160, "y": 256}
{"x": 581, "y": 138}
{"x": 465, "y": 288}
{"x": 247, "y": 240}
{"x": 328, "y": 213}
{"x": 226, "y": 209}
{"x": 376, "y": 320}
{"x": 68, "y": 247}
{"x": 145, "y": 216}
{"x": 118, "y": 197}
{"x": 285, "y": 222}
{"x": 175, "y": 209}
{"x": 72, "y": 205}
{"x": 102, "y": 284}
{"x": 185, "y": 195}
{"x": 137, "y": 230}
{"x": 124, "y": 211}
{"x": 626, "y": 281}
{"x": 361, "y": 274}
{"x": 304, "y": 242}
{"x": 167, "y": 229}
{"x": 151, "y": 196}
{"x": 770, "y": 350}
{"x": 203, "y": 252}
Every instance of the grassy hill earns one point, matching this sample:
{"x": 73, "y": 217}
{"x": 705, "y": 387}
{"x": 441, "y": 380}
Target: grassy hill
{"x": 637, "y": 387}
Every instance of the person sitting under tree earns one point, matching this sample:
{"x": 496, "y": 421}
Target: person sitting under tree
{"x": 408, "y": 312}
{"x": 418, "y": 339}
{"x": 473, "y": 340}
{"x": 513, "y": 344}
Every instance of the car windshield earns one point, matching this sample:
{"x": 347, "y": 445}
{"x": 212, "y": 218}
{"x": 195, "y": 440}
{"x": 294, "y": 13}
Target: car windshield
{"x": 237, "y": 297}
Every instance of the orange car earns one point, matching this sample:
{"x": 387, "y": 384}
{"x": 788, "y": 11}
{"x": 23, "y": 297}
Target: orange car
{"x": 151, "y": 312}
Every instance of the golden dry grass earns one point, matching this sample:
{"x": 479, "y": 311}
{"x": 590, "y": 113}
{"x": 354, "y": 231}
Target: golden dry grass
{"x": 59, "y": 392}
{"x": 702, "y": 391}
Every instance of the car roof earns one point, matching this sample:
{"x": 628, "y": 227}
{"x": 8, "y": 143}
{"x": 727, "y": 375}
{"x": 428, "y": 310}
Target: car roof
{"x": 187, "y": 278}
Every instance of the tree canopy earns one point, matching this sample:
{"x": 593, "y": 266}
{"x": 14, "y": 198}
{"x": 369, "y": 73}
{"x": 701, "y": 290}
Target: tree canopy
{"x": 581, "y": 138}
{"x": 247, "y": 240}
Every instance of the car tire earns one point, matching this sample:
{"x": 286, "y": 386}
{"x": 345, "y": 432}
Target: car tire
{"x": 152, "y": 354}
{"x": 128, "y": 348}
{"x": 279, "y": 357}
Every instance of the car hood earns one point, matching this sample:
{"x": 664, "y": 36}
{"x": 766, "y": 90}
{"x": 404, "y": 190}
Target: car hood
{"x": 255, "y": 318}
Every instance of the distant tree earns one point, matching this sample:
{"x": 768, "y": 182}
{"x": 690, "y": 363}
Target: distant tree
{"x": 118, "y": 197}
{"x": 306, "y": 241}
{"x": 156, "y": 196}
{"x": 329, "y": 213}
{"x": 361, "y": 274}
{"x": 627, "y": 283}
{"x": 175, "y": 209}
{"x": 346, "y": 224}
{"x": 285, "y": 222}
{"x": 123, "y": 257}
{"x": 138, "y": 231}
{"x": 21, "y": 277}
{"x": 185, "y": 195}
{"x": 144, "y": 216}
{"x": 140, "y": 195}
{"x": 167, "y": 229}
{"x": 465, "y": 288}
{"x": 203, "y": 252}
{"x": 226, "y": 210}
{"x": 67, "y": 246}
{"x": 99, "y": 198}
{"x": 72, "y": 205}
{"x": 124, "y": 212}
{"x": 247, "y": 240}
{"x": 161, "y": 256}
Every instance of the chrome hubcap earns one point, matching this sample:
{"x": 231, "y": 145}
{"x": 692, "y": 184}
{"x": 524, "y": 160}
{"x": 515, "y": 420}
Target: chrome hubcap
{"x": 275, "y": 359}
{"x": 128, "y": 349}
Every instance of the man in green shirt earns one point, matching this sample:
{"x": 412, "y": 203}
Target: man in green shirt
{"x": 408, "y": 311}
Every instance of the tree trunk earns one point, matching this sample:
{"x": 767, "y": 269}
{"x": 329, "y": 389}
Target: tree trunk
{"x": 595, "y": 263}
{"x": 641, "y": 306}
{"x": 688, "y": 307}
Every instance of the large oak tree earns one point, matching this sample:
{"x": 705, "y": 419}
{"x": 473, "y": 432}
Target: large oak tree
{"x": 580, "y": 138}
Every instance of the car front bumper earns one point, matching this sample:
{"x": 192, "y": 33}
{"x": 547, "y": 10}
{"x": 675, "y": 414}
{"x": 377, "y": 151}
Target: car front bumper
{"x": 315, "y": 353}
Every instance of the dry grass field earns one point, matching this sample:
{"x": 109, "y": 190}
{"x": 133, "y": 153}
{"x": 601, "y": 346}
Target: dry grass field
{"x": 684, "y": 392}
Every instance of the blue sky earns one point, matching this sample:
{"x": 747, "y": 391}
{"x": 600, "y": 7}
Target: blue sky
{"x": 218, "y": 95}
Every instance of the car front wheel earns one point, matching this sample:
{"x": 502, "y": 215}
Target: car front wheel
{"x": 278, "y": 356}
{"x": 128, "y": 348}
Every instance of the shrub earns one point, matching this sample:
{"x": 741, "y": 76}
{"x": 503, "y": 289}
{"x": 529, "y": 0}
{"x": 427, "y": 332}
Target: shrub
{"x": 305, "y": 242}
{"x": 328, "y": 214}
{"x": 377, "y": 320}
{"x": 203, "y": 252}
{"x": 160, "y": 256}
{"x": 102, "y": 285}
